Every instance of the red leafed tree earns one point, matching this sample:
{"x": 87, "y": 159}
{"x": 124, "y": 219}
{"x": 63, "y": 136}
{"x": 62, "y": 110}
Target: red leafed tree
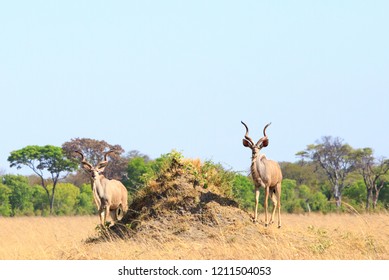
{"x": 94, "y": 152}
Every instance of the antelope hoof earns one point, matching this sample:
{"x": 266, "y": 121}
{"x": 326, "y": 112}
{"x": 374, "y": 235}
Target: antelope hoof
{"x": 279, "y": 226}
{"x": 266, "y": 225}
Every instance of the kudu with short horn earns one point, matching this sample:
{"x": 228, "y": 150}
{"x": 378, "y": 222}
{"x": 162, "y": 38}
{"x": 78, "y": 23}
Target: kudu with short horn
{"x": 266, "y": 174}
{"x": 110, "y": 195}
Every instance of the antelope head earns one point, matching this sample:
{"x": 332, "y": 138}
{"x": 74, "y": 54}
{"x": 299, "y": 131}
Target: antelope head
{"x": 262, "y": 142}
{"x": 94, "y": 171}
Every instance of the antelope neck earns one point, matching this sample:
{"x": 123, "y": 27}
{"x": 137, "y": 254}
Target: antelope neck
{"x": 97, "y": 186}
{"x": 256, "y": 167}
{"x": 254, "y": 170}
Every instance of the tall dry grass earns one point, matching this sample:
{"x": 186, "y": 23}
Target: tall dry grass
{"x": 315, "y": 236}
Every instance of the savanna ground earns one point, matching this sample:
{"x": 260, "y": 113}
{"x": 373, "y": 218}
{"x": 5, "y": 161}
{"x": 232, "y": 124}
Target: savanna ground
{"x": 314, "y": 236}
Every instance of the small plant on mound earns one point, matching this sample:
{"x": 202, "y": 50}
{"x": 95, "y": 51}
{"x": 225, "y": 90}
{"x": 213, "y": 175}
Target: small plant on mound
{"x": 218, "y": 179}
{"x": 206, "y": 175}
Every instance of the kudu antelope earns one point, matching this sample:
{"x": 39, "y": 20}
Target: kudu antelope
{"x": 110, "y": 195}
{"x": 265, "y": 173}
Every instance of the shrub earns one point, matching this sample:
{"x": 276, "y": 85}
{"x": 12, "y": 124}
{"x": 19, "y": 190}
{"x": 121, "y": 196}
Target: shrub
{"x": 20, "y": 196}
{"x": 5, "y": 206}
{"x": 243, "y": 189}
{"x": 40, "y": 202}
{"x": 65, "y": 199}
{"x": 84, "y": 201}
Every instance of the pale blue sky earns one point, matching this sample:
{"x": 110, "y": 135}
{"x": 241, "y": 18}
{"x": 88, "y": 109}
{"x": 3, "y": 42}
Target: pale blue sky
{"x": 160, "y": 75}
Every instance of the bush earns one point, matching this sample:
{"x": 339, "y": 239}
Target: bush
{"x": 384, "y": 196}
{"x": 84, "y": 201}
{"x": 5, "y": 206}
{"x": 20, "y": 196}
{"x": 356, "y": 193}
{"x": 65, "y": 199}
{"x": 40, "y": 202}
{"x": 217, "y": 177}
{"x": 243, "y": 189}
{"x": 318, "y": 202}
{"x": 139, "y": 172}
{"x": 288, "y": 191}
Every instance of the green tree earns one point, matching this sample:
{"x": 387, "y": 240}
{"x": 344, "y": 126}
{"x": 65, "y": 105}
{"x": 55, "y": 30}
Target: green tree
{"x": 289, "y": 197}
{"x": 243, "y": 188}
{"x": 66, "y": 199}
{"x": 39, "y": 200}
{"x": 335, "y": 158}
{"x": 85, "y": 204}
{"x": 304, "y": 173}
{"x": 356, "y": 193}
{"x": 318, "y": 202}
{"x": 139, "y": 170}
{"x": 21, "y": 194}
{"x": 40, "y": 159}
{"x": 384, "y": 195}
{"x": 373, "y": 172}
{"x": 5, "y": 206}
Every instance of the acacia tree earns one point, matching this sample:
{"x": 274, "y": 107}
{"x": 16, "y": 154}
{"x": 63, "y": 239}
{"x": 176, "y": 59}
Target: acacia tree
{"x": 94, "y": 151}
{"x": 40, "y": 159}
{"x": 373, "y": 172}
{"x": 335, "y": 159}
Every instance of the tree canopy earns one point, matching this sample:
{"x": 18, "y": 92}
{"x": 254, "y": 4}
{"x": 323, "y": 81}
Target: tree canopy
{"x": 93, "y": 151}
{"x": 373, "y": 172}
{"x": 334, "y": 158}
{"x": 40, "y": 159}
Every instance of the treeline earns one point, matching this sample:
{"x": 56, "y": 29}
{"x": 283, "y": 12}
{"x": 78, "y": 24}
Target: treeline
{"x": 18, "y": 197}
{"x": 331, "y": 176}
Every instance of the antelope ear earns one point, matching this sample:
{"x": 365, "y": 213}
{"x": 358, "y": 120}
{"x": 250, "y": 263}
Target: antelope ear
{"x": 86, "y": 166}
{"x": 265, "y": 142}
{"x": 246, "y": 143}
{"x": 101, "y": 166}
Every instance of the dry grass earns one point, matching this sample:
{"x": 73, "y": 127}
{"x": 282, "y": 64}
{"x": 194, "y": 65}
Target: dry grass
{"x": 315, "y": 236}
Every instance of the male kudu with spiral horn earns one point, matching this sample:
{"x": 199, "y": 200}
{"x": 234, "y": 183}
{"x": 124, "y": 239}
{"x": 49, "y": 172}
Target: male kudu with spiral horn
{"x": 266, "y": 174}
{"x": 110, "y": 195}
